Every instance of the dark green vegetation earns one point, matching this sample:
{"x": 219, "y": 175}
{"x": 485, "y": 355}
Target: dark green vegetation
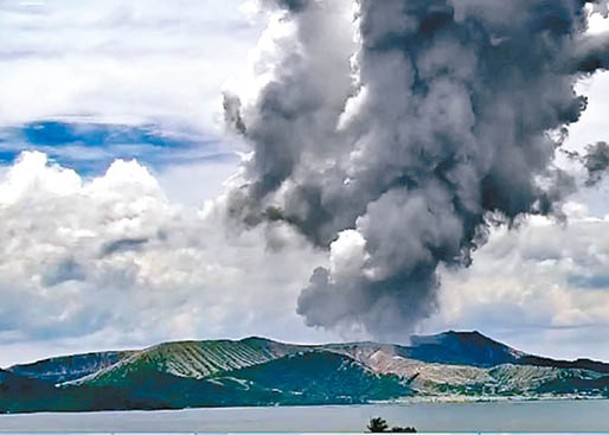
{"x": 257, "y": 372}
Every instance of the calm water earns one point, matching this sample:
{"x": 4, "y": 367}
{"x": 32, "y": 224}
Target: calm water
{"x": 565, "y": 416}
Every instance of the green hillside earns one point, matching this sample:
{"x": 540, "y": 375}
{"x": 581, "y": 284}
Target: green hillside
{"x": 256, "y": 372}
{"x": 189, "y": 359}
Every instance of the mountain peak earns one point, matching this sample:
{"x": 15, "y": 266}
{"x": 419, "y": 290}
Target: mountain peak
{"x": 257, "y": 339}
{"x": 457, "y": 338}
{"x": 463, "y": 347}
{"x": 451, "y": 334}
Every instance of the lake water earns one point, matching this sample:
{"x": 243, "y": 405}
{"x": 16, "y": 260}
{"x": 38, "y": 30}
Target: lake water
{"x": 563, "y": 416}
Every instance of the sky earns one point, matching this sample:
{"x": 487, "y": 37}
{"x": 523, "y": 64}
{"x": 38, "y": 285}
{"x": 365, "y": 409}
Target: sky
{"x": 116, "y": 166}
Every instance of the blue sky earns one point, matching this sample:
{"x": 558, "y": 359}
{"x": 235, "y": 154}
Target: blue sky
{"x": 118, "y": 108}
{"x": 91, "y": 147}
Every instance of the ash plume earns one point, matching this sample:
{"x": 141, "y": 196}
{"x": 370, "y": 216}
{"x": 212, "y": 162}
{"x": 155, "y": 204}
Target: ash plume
{"x": 595, "y": 160}
{"x": 388, "y": 137}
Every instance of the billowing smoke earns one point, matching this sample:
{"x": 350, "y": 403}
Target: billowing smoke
{"x": 390, "y": 136}
{"x": 595, "y": 160}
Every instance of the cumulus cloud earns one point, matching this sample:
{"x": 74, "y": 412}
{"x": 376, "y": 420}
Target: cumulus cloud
{"x": 409, "y": 127}
{"x": 112, "y": 258}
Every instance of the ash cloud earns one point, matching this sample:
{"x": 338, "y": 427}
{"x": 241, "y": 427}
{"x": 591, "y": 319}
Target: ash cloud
{"x": 389, "y": 139}
{"x": 595, "y": 160}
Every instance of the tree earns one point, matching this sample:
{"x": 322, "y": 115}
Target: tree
{"x": 377, "y": 424}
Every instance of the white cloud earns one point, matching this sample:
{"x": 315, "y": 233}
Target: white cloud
{"x": 126, "y": 62}
{"x": 347, "y": 254}
{"x": 192, "y": 184}
{"x": 112, "y": 260}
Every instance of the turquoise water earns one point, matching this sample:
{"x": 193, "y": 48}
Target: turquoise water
{"x": 561, "y": 416}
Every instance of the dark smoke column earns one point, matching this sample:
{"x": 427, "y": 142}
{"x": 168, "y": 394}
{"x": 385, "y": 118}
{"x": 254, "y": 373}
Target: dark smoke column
{"x": 392, "y": 150}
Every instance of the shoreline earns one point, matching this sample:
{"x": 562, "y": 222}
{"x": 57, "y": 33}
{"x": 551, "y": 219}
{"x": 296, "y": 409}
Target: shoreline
{"x": 435, "y": 400}
{"x": 489, "y": 399}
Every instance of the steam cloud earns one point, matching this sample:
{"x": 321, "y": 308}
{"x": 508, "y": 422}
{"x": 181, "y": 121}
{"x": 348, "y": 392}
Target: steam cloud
{"x": 391, "y": 139}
